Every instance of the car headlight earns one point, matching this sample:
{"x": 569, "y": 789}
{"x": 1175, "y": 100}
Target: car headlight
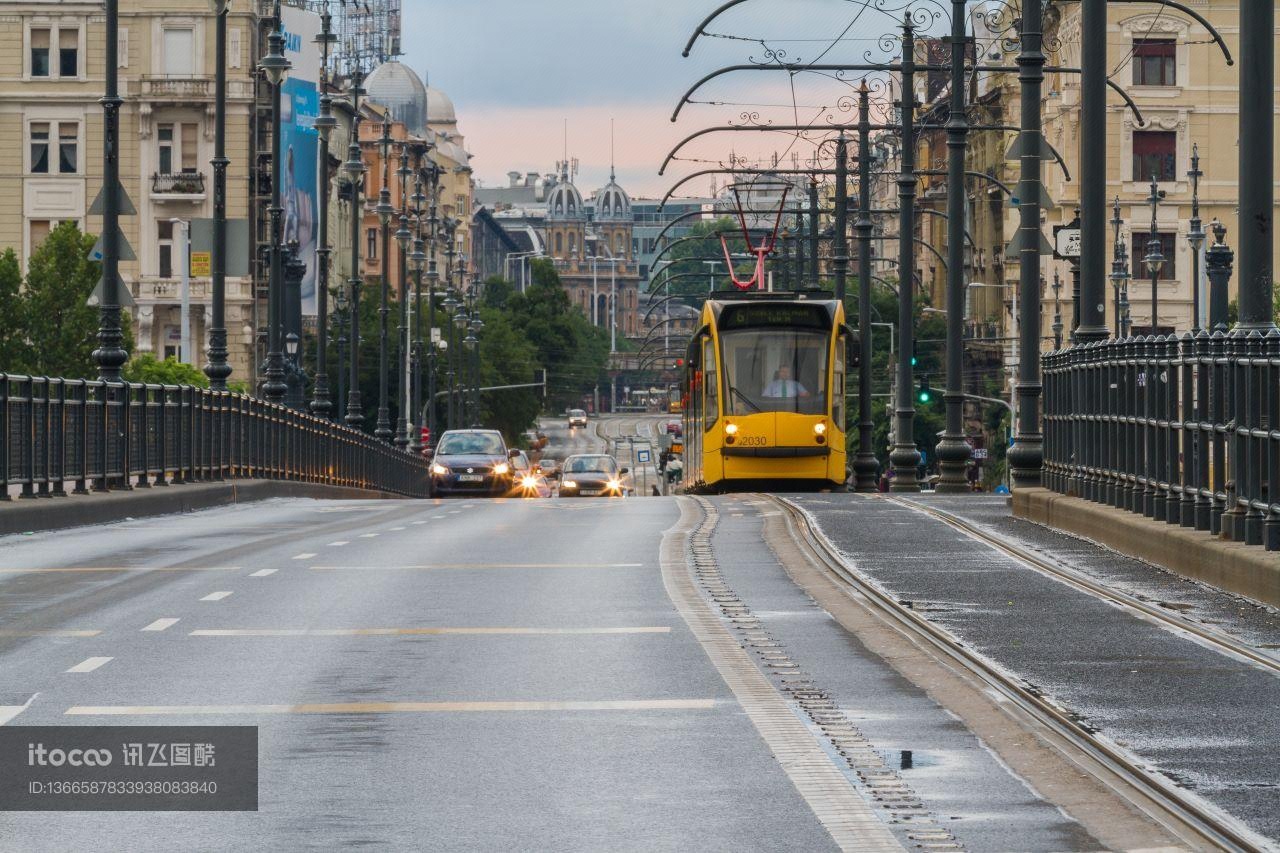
{"x": 730, "y": 429}
{"x": 439, "y": 470}
{"x": 501, "y": 468}
{"x": 569, "y": 484}
{"x": 820, "y": 428}
{"x": 614, "y": 485}
{"x": 529, "y": 482}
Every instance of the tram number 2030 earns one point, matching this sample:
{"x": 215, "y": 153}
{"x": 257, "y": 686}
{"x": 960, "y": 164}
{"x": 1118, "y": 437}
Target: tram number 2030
{"x": 752, "y": 440}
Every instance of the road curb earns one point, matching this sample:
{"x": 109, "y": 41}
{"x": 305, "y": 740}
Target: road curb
{"x": 55, "y": 513}
{"x": 1246, "y": 570}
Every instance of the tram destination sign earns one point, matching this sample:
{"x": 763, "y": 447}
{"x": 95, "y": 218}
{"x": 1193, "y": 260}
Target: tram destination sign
{"x": 776, "y": 314}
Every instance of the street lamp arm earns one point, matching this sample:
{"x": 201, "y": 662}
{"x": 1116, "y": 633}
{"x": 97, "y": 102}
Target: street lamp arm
{"x": 663, "y": 301}
{"x": 1062, "y": 69}
{"x": 702, "y": 27}
{"x": 739, "y": 171}
{"x": 795, "y": 68}
{"x": 993, "y": 400}
{"x": 763, "y": 128}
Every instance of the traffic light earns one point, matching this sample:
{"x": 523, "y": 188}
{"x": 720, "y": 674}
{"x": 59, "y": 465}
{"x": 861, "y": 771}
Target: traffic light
{"x": 924, "y": 394}
{"x": 914, "y": 360}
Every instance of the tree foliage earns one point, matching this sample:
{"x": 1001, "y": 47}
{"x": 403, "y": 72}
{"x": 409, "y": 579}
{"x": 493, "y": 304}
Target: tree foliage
{"x": 152, "y": 371}
{"x": 46, "y": 326}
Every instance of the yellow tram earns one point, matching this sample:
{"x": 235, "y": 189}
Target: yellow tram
{"x": 764, "y": 394}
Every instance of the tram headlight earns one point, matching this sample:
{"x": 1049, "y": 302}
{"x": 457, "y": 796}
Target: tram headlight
{"x": 730, "y": 429}
{"x": 820, "y": 432}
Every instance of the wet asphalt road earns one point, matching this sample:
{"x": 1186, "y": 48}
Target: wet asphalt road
{"x": 1204, "y": 719}
{"x": 374, "y": 614}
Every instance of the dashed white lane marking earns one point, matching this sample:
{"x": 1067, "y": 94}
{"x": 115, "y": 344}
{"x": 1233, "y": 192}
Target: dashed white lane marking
{"x": 437, "y": 516}
{"x": 8, "y": 712}
{"x": 216, "y": 596}
{"x": 338, "y": 544}
{"x": 89, "y": 664}
{"x": 161, "y": 624}
{"x": 368, "y": 535}
{"x": 304, "y": 556}
{"x": 454, "y": 511}
{"x": 395, "y": 707}
{"x": 397, "y": 528}
{"x": 262, "y": 573}
{"x": 418, "y": 522}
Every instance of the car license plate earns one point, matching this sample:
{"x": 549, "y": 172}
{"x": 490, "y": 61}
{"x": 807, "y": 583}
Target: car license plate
{"x": 471, "y": 478}
{"x": 591, "y": 491}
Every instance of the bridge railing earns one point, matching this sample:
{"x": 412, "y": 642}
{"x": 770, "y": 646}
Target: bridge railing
{"x": 74, "y": 435}
{"x": 1183, "y": 429}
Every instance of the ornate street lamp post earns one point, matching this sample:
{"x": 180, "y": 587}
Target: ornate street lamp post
{"x": 403, "y": 238}
{"x": 275, "y": 67}
{"x": 354, "y": 167}
{"x": 433, "y": 276}
{"x": 1118, "y": 270}
{"x": 1195, "y": 236}
{"x": 1057, "y": 311}
{"x": 321, "y": 404}
{"x": 385, "y": 211}
{"x": 342, "y": 307}
{"x": 216, "y": 367}
{"x": 1154, "y": 258}
{"x": 110, "y": 355}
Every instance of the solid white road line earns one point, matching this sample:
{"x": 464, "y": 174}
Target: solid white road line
{"x": 304, "y": 556}
{"x": 216, "y": 596}
{"x": 161, "y": 624}
{"x": 88, "y": 664}
{"x": 262, "y": 573}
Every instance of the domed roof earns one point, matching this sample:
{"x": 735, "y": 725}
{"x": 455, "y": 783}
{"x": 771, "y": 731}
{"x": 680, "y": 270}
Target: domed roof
{"x": 564, "y": 201}
{"x": 440, "y": 107}
{"x": 612, "y": 202}
{"x": 396, "y": 87}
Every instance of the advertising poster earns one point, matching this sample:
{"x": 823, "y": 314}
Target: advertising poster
{"x": 300, "y": 104}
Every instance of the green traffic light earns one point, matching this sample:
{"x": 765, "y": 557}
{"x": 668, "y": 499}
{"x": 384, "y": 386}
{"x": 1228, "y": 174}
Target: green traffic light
{"x": 924, "y": 396}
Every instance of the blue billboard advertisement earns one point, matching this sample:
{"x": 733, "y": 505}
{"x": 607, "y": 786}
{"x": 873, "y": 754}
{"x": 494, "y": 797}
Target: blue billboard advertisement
{"x": 300, "y": 104}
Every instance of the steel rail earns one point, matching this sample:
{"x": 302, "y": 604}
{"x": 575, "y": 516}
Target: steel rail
{"x": 1178, "y": 811}
{"x": 1218, "y": 640}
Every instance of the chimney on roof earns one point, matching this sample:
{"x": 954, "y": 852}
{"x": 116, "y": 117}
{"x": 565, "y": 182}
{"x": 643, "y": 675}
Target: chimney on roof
{"x": 514, "y": 178}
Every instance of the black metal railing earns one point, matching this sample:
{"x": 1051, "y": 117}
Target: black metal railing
{"x": 1183, "y": 429}
{"x": 75, "y": 435}
{"x": 178, "y": 183}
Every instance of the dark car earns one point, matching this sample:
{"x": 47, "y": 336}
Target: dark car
{"x": 471, "y": 462}
{"x": 592, "y": 475}
{"x": 675, "y": 428}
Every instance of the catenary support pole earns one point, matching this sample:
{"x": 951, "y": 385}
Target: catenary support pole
{"x": 953, "y": 451}
{"x": 865, "y": 466}
{"x": 1026, "y": 456}
{"x": 905, "y": 458}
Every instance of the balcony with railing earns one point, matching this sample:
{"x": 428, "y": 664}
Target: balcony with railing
{"x": 180, "y": 186}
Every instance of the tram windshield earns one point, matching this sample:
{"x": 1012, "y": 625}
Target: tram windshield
{"x": 775, "y": 370}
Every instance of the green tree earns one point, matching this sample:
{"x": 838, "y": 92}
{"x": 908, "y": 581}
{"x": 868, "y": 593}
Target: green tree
{"x": 507, "y": 358}
{"x": 689, "y": 274}
{"x": 152, "y": 371}
{"x": 60, "y": 325}
{"x": 14, "y": 348}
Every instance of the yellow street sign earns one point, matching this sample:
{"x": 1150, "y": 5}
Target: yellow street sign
{"x": 201, "y": 263}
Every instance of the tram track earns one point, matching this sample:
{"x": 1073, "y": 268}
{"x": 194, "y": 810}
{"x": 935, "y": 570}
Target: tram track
{"x": 1207, "y": 635}
{"x": 1198, "y": 824}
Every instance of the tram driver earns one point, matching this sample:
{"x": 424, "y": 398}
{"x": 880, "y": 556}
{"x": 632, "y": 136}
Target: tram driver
{"x": 783, "y": 386}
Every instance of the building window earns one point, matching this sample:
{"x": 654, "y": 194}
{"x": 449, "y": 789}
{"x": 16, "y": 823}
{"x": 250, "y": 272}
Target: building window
{"x": 178, "y": 147}
{"x": 164, "y": 234}
{"x": 38, "y": 230}
{"x": 68, "y": 53}
{"x": 40, "y": 148}
{"x": 371, "y": 249}
{"x": 179, "y": 44}
{"x": 68, "y": 142}
{"x": 559, "y": 245}
{"x": 1155, "y": 153}
{"x": 1168, "y": 248}
{"x": 40, "y": 53}
{"x": 1155, "y": 62}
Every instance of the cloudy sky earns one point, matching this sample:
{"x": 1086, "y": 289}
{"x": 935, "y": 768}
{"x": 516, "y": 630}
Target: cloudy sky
{"x": 517, "y": 70}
